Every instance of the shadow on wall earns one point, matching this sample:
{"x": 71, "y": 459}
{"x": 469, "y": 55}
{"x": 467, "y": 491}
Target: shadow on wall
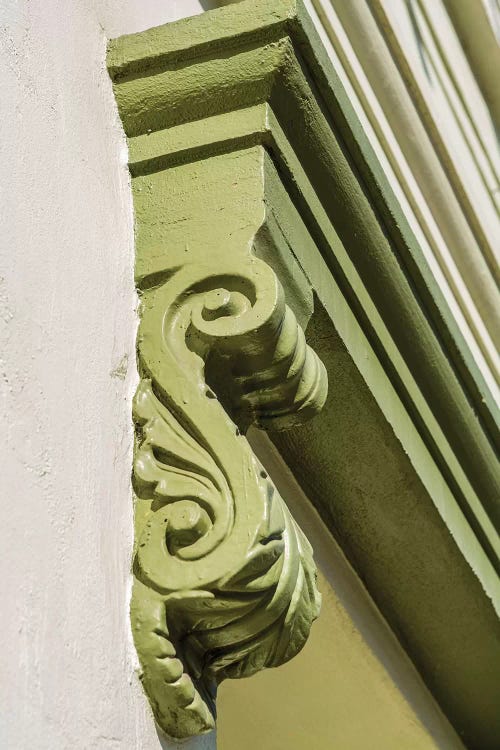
{"x": 206, "y": 742}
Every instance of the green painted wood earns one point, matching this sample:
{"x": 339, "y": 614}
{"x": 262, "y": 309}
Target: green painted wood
{"x": 179, "y": 83}
{"x": 224, "y": 581}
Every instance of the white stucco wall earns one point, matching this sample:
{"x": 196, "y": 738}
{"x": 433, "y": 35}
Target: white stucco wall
{"x": 67, "y": 373}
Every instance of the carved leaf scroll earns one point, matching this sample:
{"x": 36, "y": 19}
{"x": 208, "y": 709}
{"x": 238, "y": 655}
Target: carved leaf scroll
{"x": 224, "y": 578}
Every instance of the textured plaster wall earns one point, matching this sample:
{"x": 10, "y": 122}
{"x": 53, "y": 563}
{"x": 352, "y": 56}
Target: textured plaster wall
{"x": 67, "y": 373}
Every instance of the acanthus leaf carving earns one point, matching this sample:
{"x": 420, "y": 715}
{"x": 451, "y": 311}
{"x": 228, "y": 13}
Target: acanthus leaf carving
{"x": 224, "y": 578}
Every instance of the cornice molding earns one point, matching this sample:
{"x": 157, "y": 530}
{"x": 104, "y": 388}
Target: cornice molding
{"x": 255, "y": 73}
{"x": 394, "y": 127}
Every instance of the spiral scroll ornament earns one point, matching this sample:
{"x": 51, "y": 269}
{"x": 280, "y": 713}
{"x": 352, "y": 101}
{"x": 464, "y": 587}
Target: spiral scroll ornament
{"x": 224, "y": 579}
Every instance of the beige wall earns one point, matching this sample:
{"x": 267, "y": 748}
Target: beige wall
{"x": 336, "y": 694}
{"x": 352, "y": 687}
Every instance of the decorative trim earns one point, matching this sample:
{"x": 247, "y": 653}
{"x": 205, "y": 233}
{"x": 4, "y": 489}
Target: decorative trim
{"x": 392, "y": 122}
{"x": 225, "y": 582}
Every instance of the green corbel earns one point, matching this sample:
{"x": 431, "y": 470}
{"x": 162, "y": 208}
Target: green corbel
{"x": 224, "y": 581}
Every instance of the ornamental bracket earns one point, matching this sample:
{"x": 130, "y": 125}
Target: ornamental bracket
{"x": 224, "y": 581}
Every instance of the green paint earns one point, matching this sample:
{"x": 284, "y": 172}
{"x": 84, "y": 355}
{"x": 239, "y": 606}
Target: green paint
{"x": 164, "y": 80}
{"x": 242, "y": 140}
{"x": 224, "y": 578}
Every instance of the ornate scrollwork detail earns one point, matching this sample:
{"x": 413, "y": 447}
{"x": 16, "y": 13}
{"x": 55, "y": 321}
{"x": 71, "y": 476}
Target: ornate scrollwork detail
{"x": 224, "y": 579}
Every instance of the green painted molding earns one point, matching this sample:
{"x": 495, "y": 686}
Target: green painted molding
{"x": 246, "y": 156}
{"x": 188, "y": 87}
{"x": 224, "y": 579}
{"x": 224, "y": 582}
